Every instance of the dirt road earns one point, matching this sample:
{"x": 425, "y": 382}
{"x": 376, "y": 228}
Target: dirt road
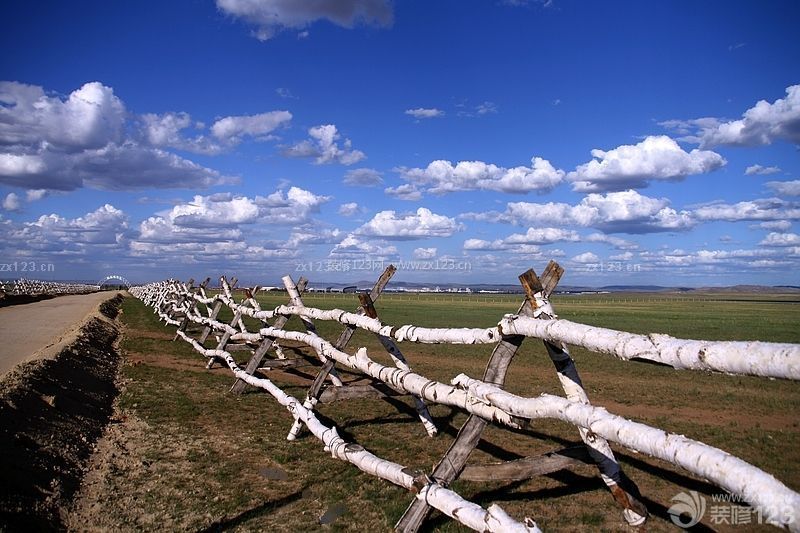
{"x": 39, "y": 329}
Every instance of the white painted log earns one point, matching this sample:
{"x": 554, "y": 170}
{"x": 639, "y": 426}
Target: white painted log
{"x": 447, "y": 501}
{"x": 777, "y": 360}
{"x": 776, "y": 501}
{"x": 278, "y": 350}
{"x": 447, "y": 335}
{"x": 309, "y": 403}
{"x": 333, "y": 376}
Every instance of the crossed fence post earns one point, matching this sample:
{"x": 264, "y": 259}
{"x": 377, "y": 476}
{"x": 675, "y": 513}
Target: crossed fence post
{"x": 240, "y": 386}
{"x": 366, "y": 308}
{"x": 452, "y": 464}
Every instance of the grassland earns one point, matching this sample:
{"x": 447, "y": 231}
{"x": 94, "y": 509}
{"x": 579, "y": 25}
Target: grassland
{"x": 191, "y": 456}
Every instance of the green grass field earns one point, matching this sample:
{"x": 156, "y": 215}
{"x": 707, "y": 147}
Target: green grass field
{"x": 219, "y": 461}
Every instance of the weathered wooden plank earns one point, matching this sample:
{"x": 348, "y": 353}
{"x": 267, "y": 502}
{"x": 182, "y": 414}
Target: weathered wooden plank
{"x": 285, "y": 363}
{"x": 373, "y": 391}
{"x": 255, "y": 361}
{"x": 238, "y": 348}
{"x": 527, "y": 467}
{"x": 550, "y": 277}
{"x": 214, "y": 312}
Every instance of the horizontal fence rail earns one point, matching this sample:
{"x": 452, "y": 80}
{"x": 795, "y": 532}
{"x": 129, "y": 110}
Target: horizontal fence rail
{"x": 181, "y": 304}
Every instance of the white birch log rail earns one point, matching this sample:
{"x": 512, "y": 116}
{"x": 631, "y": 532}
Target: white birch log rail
{"x": 182, "y": 304}
{"x": 753, "y": 358}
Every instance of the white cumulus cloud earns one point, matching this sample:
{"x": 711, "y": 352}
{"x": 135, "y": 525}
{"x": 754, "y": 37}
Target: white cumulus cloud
{"x": 775, "y": 225}
{"x": 441, "y": 177}
{"x": 324, "y": 147}
{"x": 760, "y": 209}
{"x": 424, "y": 253}
{"x": 785, "y": 188}
{"x": 353, "y": 246}
{"x": 97, "y": 232}
{"x": 349, "y": 209}
{"x": 365, "y": 177}
{"x": 781, "y": 239}
{"x": 11, "y": 202}
{"x": 34, "y": 195}
{"x": 527, "y": 242}
{"x": 758, "y": 170}
{"x": 614, "y": 212}
{"x": 90, "y": 117}
{"x": 296, "y": 206}
{"x": 761, "y": 124}
{"x": 657, "y": 158}
{"x": 407, "y": 192}
{"x": 49, "y": 142}
{"x": 215, "y": 211}
{"x": 424, "y": 112}
{"x": 409, "y": 226}
{"x": 586, "y": 257}
{"x": 257, "y": 126}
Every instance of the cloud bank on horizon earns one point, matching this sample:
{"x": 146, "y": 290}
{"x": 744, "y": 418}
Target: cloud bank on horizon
{"x": 260, "y": 138}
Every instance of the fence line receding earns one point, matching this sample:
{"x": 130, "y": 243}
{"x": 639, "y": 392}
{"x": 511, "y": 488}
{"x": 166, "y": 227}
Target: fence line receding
{"x": 195, "y": 311}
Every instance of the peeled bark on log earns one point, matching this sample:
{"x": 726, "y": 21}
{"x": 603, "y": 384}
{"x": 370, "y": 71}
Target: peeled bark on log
{"x": 773, "y": 499}
{"x": 527, "y": 467}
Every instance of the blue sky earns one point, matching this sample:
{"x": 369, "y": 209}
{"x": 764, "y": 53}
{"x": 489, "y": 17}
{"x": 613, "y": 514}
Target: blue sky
{"x": 466, "y": 141}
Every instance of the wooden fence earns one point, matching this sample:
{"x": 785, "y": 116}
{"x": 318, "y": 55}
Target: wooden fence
{"x": 184, "y": 305}
{"x": 32, "y": 287}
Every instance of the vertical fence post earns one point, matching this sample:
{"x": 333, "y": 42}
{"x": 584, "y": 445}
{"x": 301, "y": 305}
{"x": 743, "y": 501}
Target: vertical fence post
{"x": 452, "y": 464}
